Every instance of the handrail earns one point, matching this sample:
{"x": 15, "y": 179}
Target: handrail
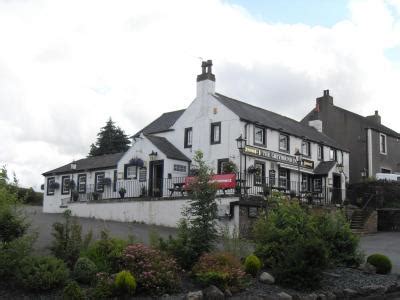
{"x": 366, "y": 204}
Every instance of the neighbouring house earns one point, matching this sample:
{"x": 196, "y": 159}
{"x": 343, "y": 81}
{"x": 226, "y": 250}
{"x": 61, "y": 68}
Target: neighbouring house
{"x": 374, "y": 148}
{"x": 270, "y": 151}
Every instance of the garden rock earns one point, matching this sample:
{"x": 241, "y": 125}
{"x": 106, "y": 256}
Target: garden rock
{"x": 373, "y": 290}
{"x": 284, "y": 296}
{"x": 350, "y": 293}
{"x": 228, "y": 293}
{"x": 330, "y": 296}
{"x": 213, "y": 293}
{"x": 267, "y": 278}
{"x": 368, "y": 268}
{"x": 322, "y": 297}
{"x": 197, "y": 295}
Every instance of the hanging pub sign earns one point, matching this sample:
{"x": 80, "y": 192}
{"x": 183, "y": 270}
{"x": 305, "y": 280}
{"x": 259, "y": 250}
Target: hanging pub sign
{"x": 276, "y": 156}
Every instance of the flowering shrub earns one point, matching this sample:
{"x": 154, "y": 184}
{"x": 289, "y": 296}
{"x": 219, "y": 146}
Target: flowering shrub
{"x": 104, "y": 288}
{"x": 221, "y": 269}
{"x": 155, "y": 273}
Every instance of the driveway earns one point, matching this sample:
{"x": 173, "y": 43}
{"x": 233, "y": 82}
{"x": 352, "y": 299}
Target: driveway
{"x": 387, "y": 243}
{"x": 42, "y": 224}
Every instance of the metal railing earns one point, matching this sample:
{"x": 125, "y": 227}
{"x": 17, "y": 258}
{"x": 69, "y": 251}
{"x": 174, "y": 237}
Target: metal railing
{"x": 249, "y": 184}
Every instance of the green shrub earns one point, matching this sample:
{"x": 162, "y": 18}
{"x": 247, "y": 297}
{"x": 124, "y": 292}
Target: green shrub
{"x": 341, "y": 242}
{"x": 12, "y": 224}
{"x": 73, "y": 291}
{"x": 42, "y": 273}
{"x": 84, "y": 270}
{"x": 288, "y": 242}
{"x": 154, "y": 272}
{"x": 252, "y": 264}
{"x": 221, "y": 269}
{"x": 106, "y": 253}
{"x": 125, "y": 283}
{"x": 381, "y": 262}
{"x": 104, "y": 287}
{"x": 67, "y": 243}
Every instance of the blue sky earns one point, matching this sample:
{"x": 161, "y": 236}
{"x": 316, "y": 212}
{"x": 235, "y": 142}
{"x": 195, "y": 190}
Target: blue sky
{"x": 310, "y": 12}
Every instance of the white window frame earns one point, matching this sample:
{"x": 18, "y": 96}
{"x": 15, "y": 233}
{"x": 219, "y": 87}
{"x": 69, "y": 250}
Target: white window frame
{"x": 133, "y": 174}
{"x": 65, "y": 183}
{"x": 258, "y": 142}
{"x": 306, "y": 145}
{"x": 320, "y": 152}
{"x": 82, "y": 183}
{"x": 287, "y": 145}
{"x": 382, "y": 136}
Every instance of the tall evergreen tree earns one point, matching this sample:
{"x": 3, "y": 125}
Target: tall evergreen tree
{"x": 110, "y": 139}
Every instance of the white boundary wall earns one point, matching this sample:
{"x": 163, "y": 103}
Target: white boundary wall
{"x": 154, "y": 212}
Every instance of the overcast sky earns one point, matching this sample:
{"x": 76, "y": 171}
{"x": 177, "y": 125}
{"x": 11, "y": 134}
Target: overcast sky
{"x": 67, "y": 66}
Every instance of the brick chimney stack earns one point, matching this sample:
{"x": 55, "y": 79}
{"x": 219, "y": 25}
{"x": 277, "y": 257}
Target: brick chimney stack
{"x": 206, "y": 80}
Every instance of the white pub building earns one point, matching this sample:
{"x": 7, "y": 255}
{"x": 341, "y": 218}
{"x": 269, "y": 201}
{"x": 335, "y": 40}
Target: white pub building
{"x": 271, "y": 151}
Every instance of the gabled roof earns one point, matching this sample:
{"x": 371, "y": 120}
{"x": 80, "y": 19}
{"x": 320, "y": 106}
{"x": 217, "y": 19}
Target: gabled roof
{"x": 313, "y": 115}
{"x": 162, "y": 123}
{"x": 324, "y": 167}
{"x": 167, "y": 148}
{"x": 257, "y": 115}
{"x": 106, "y": 161}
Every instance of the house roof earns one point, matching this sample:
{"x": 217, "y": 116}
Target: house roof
{"x": 313, "y": 115}
{"x": 106, "y": 161}
{"x": 167, "y": 148}
{"x": 162, "y": 123}
{"x": 257, "y": 115}
{"x": 324, "y": 167}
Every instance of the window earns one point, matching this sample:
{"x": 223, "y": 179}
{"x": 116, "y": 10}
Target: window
{"x": 142, "y": 174}
{"x": 317, "y": 184}
{"x": 99, "y": 186}
{"x": 304, "y": 182}
{"x": 259, "y": 176}
{"x": 180, "y": 168}
{"x": 82, "y": 183}
{"x": 50, "y": 188}
{"x": 216, "y": 133}
{"x": 382, "y": 143}
{"x": 306, "y": 148}
{"x": 284, "y": 143}
{"x": 333, "y": 155}
{"x": 387, "y": 171}
{"x": 320, "y": 152}
{"x": 284, "y": 178}
{"x": 131, "y": 172}
{"x": 259, "y": 136}
{"x": 65, "y": 185}
{"x": 188, "y": 137}
{"x": 221, "y": 165}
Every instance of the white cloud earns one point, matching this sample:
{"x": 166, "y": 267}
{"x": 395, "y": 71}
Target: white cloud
{"x": 66, "y": 66}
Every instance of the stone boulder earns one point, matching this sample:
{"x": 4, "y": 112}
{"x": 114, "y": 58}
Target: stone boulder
{"x": 213, "y": 293}
{"x": 267, "y": 278}
{"x": 197, "y": 295}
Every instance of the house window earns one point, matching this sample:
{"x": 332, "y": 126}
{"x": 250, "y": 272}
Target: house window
{"x": 99, "y": 186}
{"x": 252, "y": 212}
{"x": 332, "y": 155}
{"x": 284, "y": 142}
{"x": 142, "y": 174}
{"x": 304, "y": 182}
{"x": 306, "y": 148}
{"x": 259, "y": 176}
{"x": 221, "y": 165}
{"x": 82, "y": 183}
{"x": 180, "y": 168}
{"x": 65, "y": 180}
{"x": 259, "y": 136}
{"x": 130, "y": 172}
{"x": 50, "y": 188}
{"x": 382, "y": 143}
{"x": 320, "y": 152}
{"x": 284, "y": 178}
{"x": 317, "y": 184}
{"x": 188, "y": 137}
{"x": 216, "y": 133}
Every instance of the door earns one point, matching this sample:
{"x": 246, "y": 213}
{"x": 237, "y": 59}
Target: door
{"x": 156, "y": 178}
{"x": 336, "y": 189}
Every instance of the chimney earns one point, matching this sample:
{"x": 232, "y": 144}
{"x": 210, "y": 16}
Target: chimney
{"x": 317, "y": 124}
{"x": 205, "y": 80}
{"x": 326, "y": 99}
{"x": 376, "y": 118}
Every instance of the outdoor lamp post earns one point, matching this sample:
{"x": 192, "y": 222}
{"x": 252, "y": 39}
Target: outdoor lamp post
{"x": 241, "y": 144}
{"x": 298, "y": 160}
{"x": 153, "y": 155}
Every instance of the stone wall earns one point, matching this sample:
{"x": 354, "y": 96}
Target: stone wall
{"x": 388, "y": 219}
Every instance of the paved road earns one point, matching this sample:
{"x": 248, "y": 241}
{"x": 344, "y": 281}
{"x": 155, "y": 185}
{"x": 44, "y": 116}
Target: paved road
{"x": 387, "y": 243}
{"x": 42, "y": 224}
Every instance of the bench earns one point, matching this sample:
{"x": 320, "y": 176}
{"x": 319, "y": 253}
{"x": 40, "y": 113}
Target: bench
{"x": 178, "y": 187}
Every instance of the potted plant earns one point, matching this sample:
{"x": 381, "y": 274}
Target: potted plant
{"x": 254, "y": 170}
{"x": 75, "y": 196}
{"x": 95, "y": 196}
{"x": 137, "y": 162}
{"x": 266, "y": 190}
{"x": 122, "y": 192}
{"x": 54, "y": 185}
{"x": 106, "y": 181}
{"x": 71, "y": 184}
{"x": 143, "y": 191}
{"x": 229, "y": 167}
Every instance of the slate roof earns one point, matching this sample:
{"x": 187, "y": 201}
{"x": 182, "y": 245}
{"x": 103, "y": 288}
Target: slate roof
{"x": 167, "y": 148}
{"x": 324, "y": 167}
{"x": 162, "y": 123}
{"x": 254, "y": 114}
{"x": 106, "y": 161}
{"x": 313, "y": 115}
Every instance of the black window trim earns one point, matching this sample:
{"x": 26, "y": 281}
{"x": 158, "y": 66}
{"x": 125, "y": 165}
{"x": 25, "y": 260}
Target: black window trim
{"x": 287, "y": 143}
{"x": 320, "y": 146}
{"x": 186, "y": 145}
{"x": 126, "y": 166}
{"x": 48, "y": 192}
{"x": 96, "y": 189}
{"x": 79, "y": 184}
{"x": 309, "y": 148}
{"x": 263, "y": 173}
{"x": 215, "y": 124}
{"x": 219, "y": 164}
{"x": 264, "y": 143}
{"x": 62, "y": 184}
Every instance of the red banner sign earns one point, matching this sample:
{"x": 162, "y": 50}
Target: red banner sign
{"x": 224, "y": 181}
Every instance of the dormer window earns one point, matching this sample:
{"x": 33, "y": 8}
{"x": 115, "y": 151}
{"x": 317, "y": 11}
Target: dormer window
{"x": 259, "y": 136}
{"x": 215, "y": 133}
{"x": 306, "y": 148}
{"x": 188, "y": 137}
{"x": 382, "y": 143}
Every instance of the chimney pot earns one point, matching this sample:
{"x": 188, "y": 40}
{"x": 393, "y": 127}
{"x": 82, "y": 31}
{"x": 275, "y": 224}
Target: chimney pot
{"x": 376, "y": 113}
{"x": 206, "y": 71}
